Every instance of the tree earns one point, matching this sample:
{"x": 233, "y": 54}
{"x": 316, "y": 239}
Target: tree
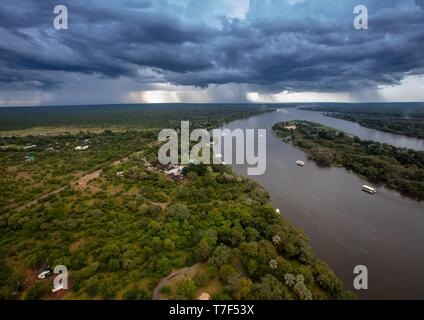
{"x": 186, "y": 289}
{"x": 239, "y": 287}
{"x": 136, "y": 293}
{"x": 223, "y": 255}
{"x": 327, "y": 279}
{"x": 300, "y": 288}
{"x": 226, "y": 272}
{"x": 106, "y": 290}
{"x": 114, "y": 264}
{"x": 203, "y": 250}
{"x": 178, "y": 212}
{"x": 201, "y": 279}
{"x": 37, "y": 291}
{"x": 169, "y": 245}
{"x": 270, "y": 289}
{"x": 251, "y": 267}
{"x": 273, "y": 264}
{"x": 276, "y": 240}
{"x": 252, "y": 234}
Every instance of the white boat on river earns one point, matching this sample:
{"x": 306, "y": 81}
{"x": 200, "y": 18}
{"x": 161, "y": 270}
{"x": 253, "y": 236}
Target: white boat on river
{"x": 369, "y": 189}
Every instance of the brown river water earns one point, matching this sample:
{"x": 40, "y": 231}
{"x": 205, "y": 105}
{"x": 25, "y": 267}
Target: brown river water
{"x": 346, "y": 226}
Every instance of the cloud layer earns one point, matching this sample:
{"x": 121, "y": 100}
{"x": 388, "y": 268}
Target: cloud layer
{"x": 265, "y": 46}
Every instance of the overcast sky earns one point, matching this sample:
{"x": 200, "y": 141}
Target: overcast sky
{"x": 132, "y": 51}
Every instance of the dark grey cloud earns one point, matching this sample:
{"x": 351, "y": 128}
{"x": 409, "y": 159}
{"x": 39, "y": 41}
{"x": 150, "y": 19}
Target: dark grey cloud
{"x": 310, "y": 45}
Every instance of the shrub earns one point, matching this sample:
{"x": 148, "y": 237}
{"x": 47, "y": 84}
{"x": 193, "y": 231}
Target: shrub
{"x": 226, "y": 272}
{"x": 137, "y": 294}
{"x": 270, "y": 289}
{"x": 37, "y": 291}
{"x": 201, "y": 279}
{"x": 186, "y": 289}
{"x": 327, "y": 279}
{"x": 167, "y": 290}
{"x": 114, "y": 264}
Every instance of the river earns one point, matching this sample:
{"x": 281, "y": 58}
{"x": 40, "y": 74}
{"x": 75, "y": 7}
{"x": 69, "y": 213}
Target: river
{"x": 346, "y": 226}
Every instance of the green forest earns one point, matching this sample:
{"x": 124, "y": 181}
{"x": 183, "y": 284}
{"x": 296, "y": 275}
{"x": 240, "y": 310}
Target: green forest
{"x": 119, "y": 224}
{"x": 398, "y": 118}
{"x": 131, "y": 116}
{"x": 122, "y": 234}
{"x": 397, "y": 168}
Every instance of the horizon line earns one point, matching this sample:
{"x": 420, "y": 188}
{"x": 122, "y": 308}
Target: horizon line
{"x": 204, "y": 103}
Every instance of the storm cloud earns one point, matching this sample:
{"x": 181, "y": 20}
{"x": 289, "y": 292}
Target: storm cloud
{"x": 262, "y": 45}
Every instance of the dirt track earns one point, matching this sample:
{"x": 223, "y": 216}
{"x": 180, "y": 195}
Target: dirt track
{"x": 156, "y": 290}
{"x": 84, "y": 181}
{"x": 81, "y": 182}
{"x": 34, "y": 202}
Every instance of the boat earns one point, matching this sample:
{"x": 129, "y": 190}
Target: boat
{"x": 369, "y": 189}
{"x": 300, "y": 163}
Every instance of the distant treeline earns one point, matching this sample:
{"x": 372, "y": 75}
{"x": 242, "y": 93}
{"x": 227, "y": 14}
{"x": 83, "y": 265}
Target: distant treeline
{"x": 399, "y": 169}
{"x": 399, "y": 118}
{"x": 128, "y": 116}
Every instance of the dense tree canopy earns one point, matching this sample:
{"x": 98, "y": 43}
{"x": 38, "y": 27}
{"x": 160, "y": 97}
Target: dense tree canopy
{"x": 124, "y": 232}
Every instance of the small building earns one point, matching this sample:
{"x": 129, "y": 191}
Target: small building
{"x": 29, "y": 159}
{"x": 205, "y": 297}
{"x": 175, "y": 172}
{"x": 291, "y": 127}
{"x": 81, "y": 148}
{"x": 30, "y": 147}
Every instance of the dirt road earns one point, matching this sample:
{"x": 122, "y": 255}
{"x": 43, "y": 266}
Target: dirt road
{"x": 81, "y": 182}
{"x": 156, "y": 290}
{"x": 34, "y": 202}
{"x": 84, "y": 181}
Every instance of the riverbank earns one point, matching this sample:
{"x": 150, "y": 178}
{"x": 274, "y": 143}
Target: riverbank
{"x": 407, "y": 126}
{"x": 123, "y": 231}
{"x": 405, "y": 119}
{"x": 346, "y": 226}
{"x": 398, "y": 169}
